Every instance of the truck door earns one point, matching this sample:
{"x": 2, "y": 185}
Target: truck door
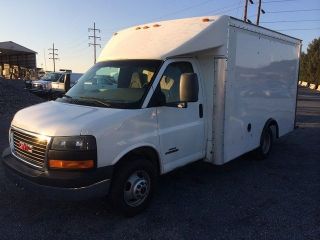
{"x": 61, "y": 82}
{"x": 180, "y": 126}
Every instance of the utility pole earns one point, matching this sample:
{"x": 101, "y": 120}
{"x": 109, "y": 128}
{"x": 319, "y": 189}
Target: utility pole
{"x": 258, "y": 15}
{"x": 95, "y": 37}
{"x": 45, "y": 62}
{"x": 245, "y": 15}
{"x": 54, "y": 56}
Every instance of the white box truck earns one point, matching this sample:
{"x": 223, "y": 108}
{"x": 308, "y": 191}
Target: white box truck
{"x": 161, "y": 95}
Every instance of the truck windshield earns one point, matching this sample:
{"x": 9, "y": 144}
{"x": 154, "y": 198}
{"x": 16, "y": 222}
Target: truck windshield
{"x": 51, "y": 77}
{"x": 118, "y": 84}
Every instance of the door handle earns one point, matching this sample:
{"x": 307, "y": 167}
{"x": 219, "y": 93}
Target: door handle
{"x": 200, "y": 110}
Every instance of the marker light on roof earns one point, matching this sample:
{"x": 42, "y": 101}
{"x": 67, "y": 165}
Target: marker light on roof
{"x": 205, "y": 20}
{"x": 145, "y": 27}
{"x": 138, "y": 28}
{"x": 156, "y": 25}
{"x": 115, "y": 33}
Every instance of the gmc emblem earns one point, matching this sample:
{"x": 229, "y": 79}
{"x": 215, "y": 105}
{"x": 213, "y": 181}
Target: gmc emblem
{"x": 25, "y": 147}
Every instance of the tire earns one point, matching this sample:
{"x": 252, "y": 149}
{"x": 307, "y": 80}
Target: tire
{"x": 266, "y": 143}
{"x": 133, "y": 185}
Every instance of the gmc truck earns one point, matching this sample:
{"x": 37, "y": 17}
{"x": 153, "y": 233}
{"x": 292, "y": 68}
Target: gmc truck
{"x": 162, "y": 95}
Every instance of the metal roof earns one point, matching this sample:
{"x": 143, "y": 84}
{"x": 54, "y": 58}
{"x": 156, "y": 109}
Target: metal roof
{"x": 12, "y": 48}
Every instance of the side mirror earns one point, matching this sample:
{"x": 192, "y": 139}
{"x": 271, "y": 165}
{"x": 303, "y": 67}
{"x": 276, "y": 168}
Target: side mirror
{"x": 189, "y": 87}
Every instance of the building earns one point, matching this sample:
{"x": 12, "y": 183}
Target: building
{"x": 17, "y": 61}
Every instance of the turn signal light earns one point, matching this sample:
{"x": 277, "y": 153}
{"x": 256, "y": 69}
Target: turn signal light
{"x": 66, "y": 164}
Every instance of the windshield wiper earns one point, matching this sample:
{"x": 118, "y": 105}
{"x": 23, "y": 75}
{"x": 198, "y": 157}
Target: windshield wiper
{"x": 97, "y": 100}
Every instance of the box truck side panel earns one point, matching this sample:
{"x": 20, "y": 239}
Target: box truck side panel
{"x": 261, "y": 84}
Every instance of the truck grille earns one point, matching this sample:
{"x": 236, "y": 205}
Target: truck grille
{"x": 29, "y": 147}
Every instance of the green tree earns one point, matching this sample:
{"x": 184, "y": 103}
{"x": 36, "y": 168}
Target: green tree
{"x": 303, "y": 68}
{"x": 310, "y": 63}
{"x": 313, "y": 66}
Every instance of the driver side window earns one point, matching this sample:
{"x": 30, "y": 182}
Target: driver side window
{"x": 170, "y": 80}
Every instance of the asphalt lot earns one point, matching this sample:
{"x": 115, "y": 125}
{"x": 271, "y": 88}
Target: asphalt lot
{"x": 245, "y": 199}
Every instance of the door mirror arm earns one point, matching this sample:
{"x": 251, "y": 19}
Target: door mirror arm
{"x": 177, "y": 104}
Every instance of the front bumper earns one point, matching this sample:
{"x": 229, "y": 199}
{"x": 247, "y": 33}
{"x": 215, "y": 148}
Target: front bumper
{"x": 40, "y": 91}
{"x": 54, "y": 184}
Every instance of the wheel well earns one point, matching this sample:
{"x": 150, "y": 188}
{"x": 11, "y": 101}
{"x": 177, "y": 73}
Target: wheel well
{"x": 272, "y": 122}
{"x": 150, "y": 153}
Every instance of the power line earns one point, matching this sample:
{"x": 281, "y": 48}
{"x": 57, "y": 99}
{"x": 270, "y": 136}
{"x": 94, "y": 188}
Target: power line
{"x": 183, "y": 10}
{"x": 297, "y": 10}
{"x": 278, "y": 1}
{"x": 223, "y": 10}
{"x": 53, "y": 54}
{"x": 298, "y": 29}
{"x": 94, "y": 44}
{"x": 293, "y": 21}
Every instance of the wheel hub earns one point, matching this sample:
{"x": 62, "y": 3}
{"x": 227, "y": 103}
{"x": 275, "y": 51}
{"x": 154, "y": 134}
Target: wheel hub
{"x": 137, "y": 188}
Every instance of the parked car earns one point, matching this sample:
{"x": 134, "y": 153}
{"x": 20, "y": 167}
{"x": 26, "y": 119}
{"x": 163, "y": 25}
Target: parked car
{"x": 54, "y": 83}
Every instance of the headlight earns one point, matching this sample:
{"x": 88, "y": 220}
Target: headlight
{"x": 78, "y": 143}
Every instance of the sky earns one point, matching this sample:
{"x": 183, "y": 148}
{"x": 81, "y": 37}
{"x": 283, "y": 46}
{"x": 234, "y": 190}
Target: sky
{"x": 36, "y": 24}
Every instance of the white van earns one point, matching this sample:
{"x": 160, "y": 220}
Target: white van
{"x": 162, "y": 95}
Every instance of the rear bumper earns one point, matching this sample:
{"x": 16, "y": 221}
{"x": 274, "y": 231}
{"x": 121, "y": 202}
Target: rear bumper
{"x": 67, "y": 185}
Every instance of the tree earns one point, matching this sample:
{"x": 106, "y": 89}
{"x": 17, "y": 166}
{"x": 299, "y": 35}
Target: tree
{"x": 303, "y": 74}
{"x": 313, "y": 66}
{"x": 310, "y": 63}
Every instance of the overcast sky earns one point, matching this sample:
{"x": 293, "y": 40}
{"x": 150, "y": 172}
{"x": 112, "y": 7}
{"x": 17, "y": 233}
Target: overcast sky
{"x": 36, "y": 24}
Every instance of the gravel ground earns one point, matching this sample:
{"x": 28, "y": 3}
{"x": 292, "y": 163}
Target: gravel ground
{"x": 244, "y": 199}
{"x": 13, "y": 97}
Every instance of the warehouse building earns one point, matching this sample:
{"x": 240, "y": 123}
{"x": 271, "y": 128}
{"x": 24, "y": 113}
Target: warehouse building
{"x": 16, "y": 61}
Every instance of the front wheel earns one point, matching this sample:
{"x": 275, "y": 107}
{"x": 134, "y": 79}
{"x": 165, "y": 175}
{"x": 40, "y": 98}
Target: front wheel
{"x": 266, "y": 143}
{"x": 133, "y": 185}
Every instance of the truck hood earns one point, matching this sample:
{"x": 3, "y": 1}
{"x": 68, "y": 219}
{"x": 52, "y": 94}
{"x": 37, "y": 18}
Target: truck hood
{"x": 64, "y": 119}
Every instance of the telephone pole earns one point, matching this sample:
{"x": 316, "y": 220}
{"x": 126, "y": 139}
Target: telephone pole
{"x": 53, "y": 56}
{"x": 245, "y": 14}
{"x": 258, "y": 15}
{"x": 95, "y": 37}
{"x": 260, "y": 10}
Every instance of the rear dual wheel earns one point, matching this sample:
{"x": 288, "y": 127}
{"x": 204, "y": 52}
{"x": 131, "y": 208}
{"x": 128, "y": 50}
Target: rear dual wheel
{"x": 266, "y": 143}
